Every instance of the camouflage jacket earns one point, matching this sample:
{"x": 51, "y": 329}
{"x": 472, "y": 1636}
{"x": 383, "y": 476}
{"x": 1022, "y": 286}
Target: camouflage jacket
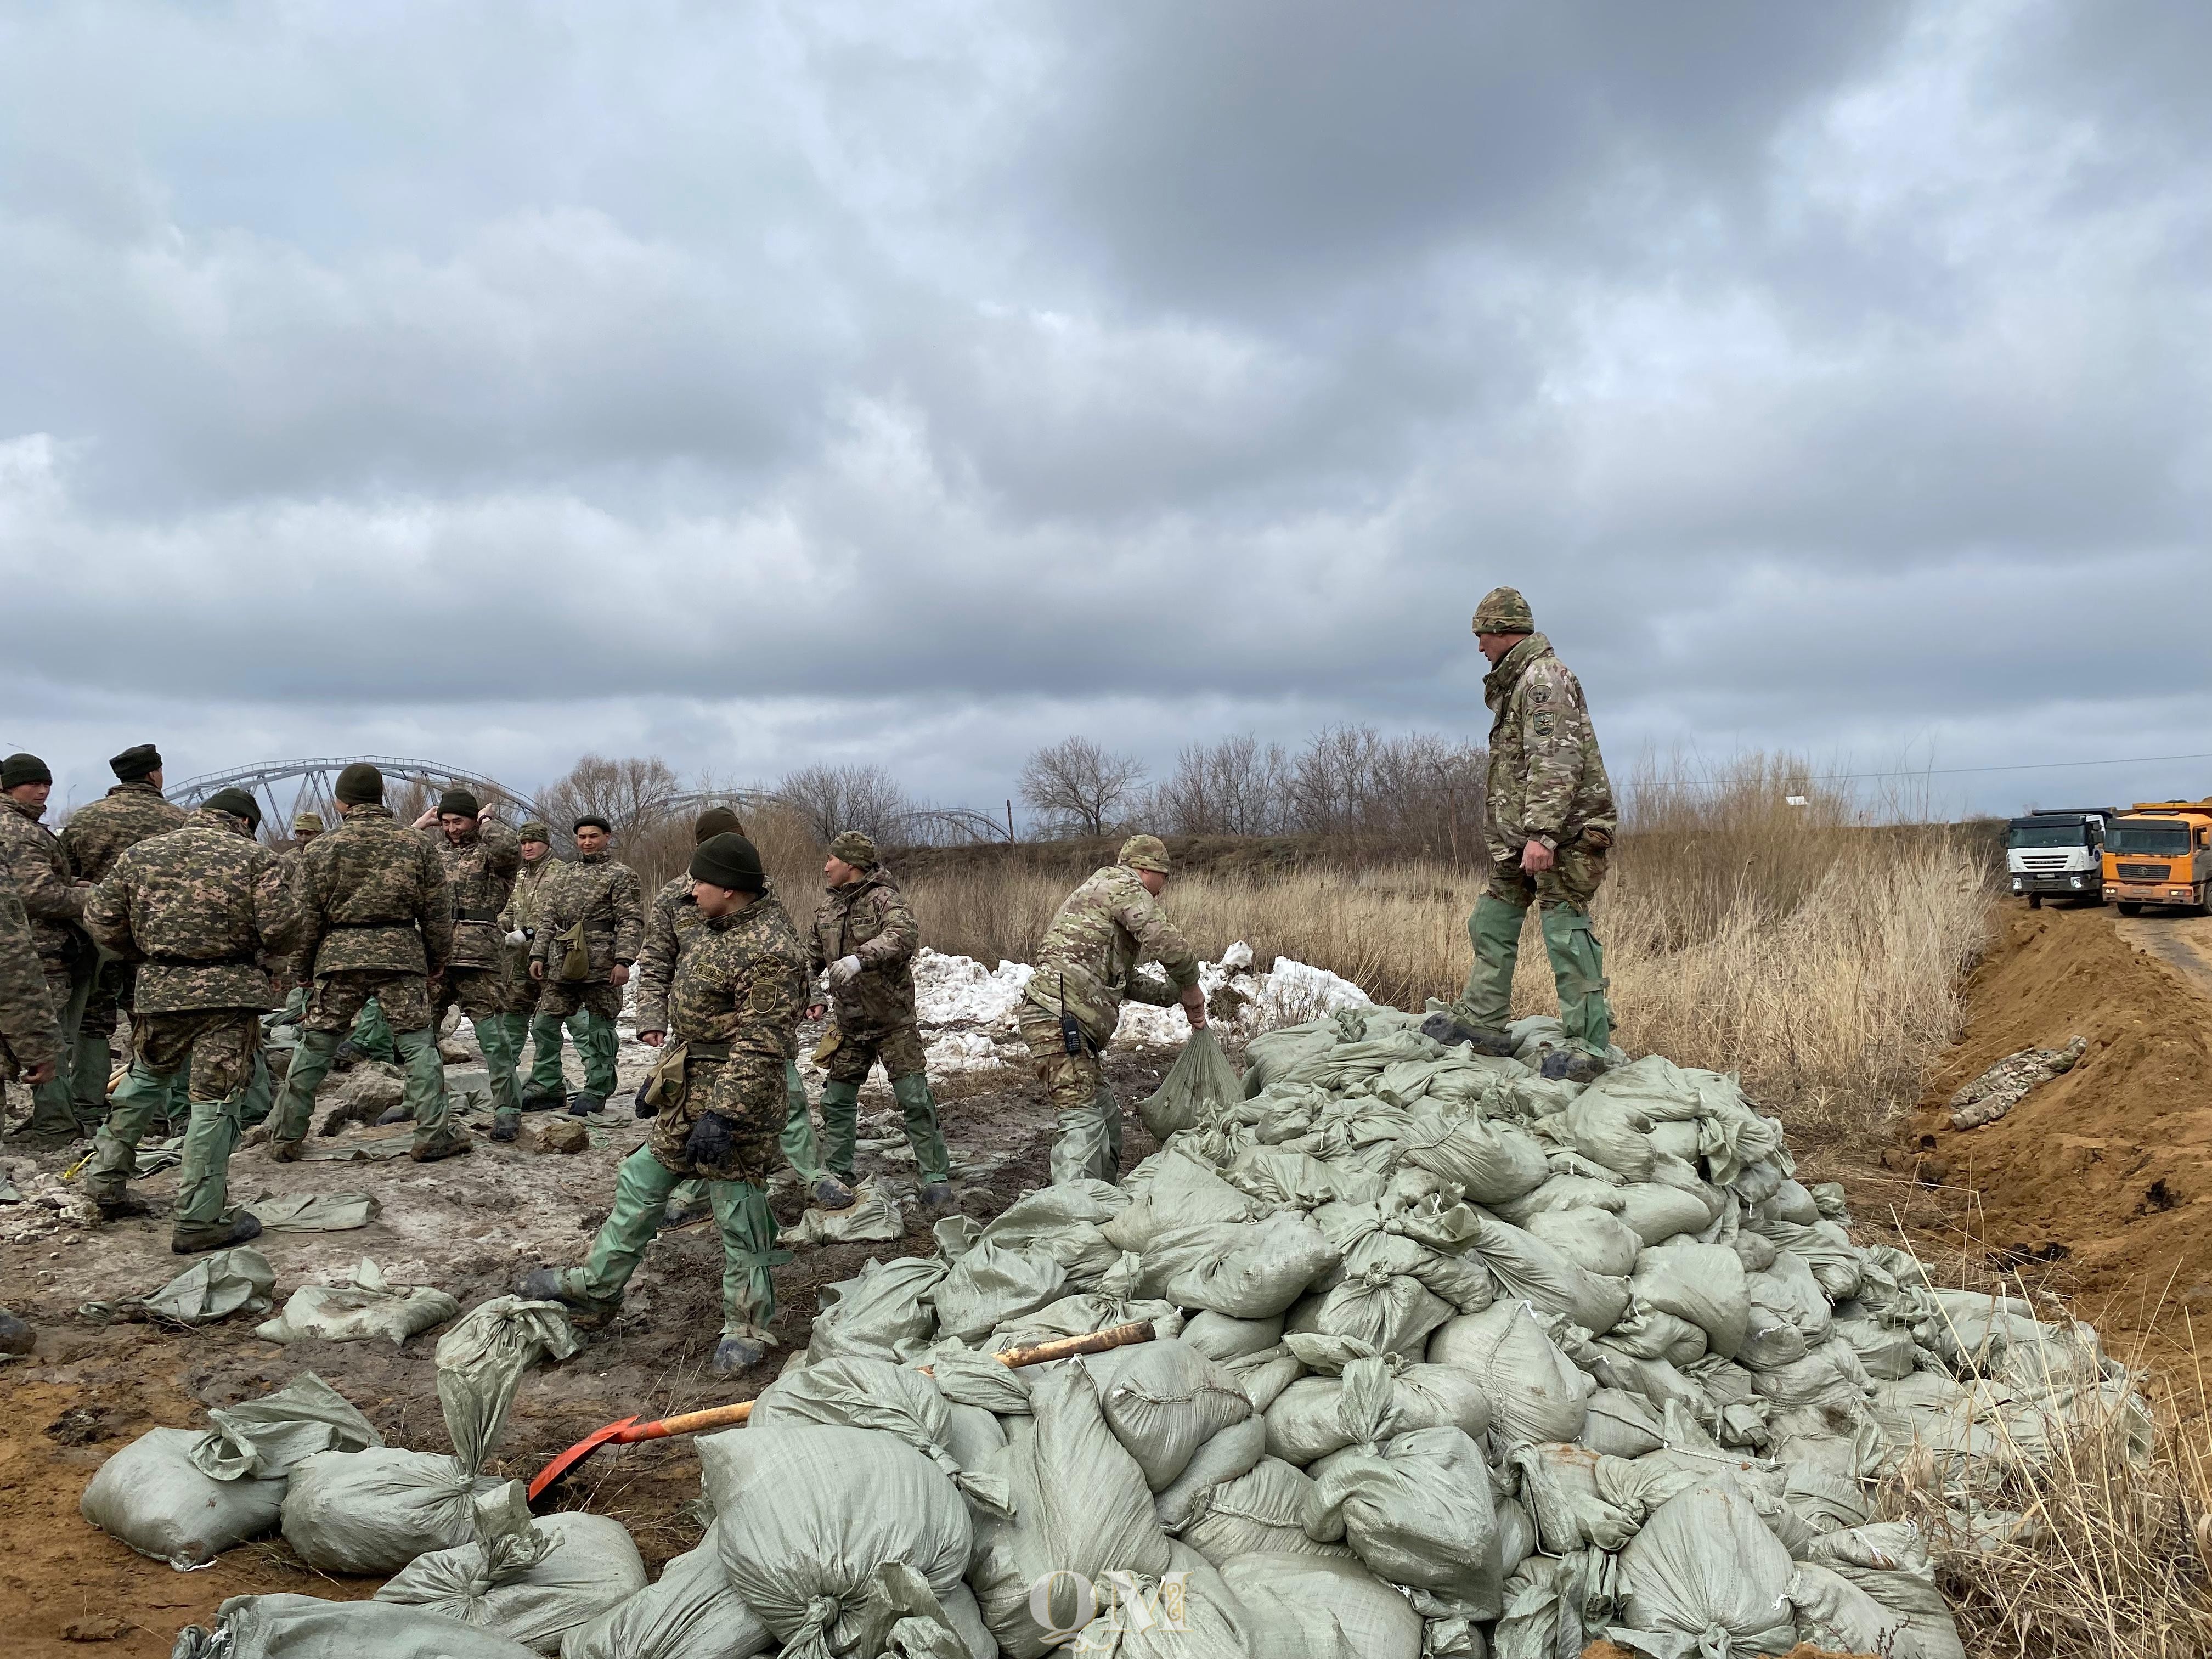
{"x": 96, "y": 835}
{"x": 197, "y": 909}
{"x": 1547, "y": 778}
{"x": 1091, "y": 952}
{"x": 32, "y": 857}
{"x": 374, "y": 898}
{"x": 672, "y": 922}
{"x": 28, "y": 1032}
{"x": 481, "y": 871}
{"x": 742, "y": 981}
{"x": 525, "y": 899}
{"x": 869, "y": 919}
{"x": 605, "y": 895}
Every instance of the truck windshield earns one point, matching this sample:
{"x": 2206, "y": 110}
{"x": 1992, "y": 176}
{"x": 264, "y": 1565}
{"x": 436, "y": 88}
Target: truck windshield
{"x": 2169, "y": 839}
{"x": 2047, "y": 835}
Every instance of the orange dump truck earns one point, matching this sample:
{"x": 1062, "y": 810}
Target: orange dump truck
{"x": 2160, "y": 851}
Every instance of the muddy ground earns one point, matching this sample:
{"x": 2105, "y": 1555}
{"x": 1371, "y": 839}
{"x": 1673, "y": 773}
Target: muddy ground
{"x": 468, "y": 1225}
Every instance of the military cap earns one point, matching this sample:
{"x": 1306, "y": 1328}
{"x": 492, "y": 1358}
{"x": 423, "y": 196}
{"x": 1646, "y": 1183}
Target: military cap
{"x": 591, "y": 820}
{"x": 360, "y": 784}
{"x": 459, "y": 803}
{"x": 1503, "y": 610}
{"x": 237, "y": 803}
{"x": 23, "y": 768}
{"x": 535, "y": 830}
{"x": 854, "y": 848}
{"x": 308, "y": 822}
{"x": 140, "y": 760}
{"x": 1145, "y": 853}
{"x": 715, "y": 821}
{"x": 729, "y": 860}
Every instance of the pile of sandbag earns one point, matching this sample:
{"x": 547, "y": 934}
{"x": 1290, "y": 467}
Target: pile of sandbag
{"x": 1448, "y": 1360}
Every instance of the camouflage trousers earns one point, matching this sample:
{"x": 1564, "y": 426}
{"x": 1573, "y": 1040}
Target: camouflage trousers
{"x": 1563, "y": 895}
{"x": 221, "y": 1046}
{"x": 642, "y": 1187}
{"x": 1089, "y": 1144}
{"x": 485, "y": 1000}
{"x": 899, "y": 1052}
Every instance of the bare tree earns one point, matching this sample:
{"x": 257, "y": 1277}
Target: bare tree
{"x": 1080, "y": 788}
{"x": 631, "y": 793}
{"x": 833, "y": 798}
{"x": 1233, "y": 787}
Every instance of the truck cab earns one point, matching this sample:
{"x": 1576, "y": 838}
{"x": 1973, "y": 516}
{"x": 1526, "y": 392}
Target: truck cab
{"x": 2056, "y": 853}
{"x": 2159, "y": 852}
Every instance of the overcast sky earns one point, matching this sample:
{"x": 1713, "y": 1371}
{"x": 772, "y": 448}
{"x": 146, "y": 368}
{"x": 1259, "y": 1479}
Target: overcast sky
{"x": 757, "y": 384}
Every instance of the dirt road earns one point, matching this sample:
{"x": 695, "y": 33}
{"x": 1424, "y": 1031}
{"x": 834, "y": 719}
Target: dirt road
{"x": 2098, "y": 1185}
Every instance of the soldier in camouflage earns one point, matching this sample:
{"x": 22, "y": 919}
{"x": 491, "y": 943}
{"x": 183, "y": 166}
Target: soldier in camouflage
{"x": 1551, "y": 822}
{"x": 93, "y": 838}
{"x": 717, "y": 1100}
{"x": 672, "y": 922}
{"x": 293, "y": 975}
{"x": 378, "y": 922}
{"x": 481, "y": 856}
{"x": 863, "y": 940}
{"x": 53, "y": 898}
{"x": 30, "y": 1037}
{"x": 199, "y": 910}
{"x": 1087, "y": 964}
{"x": 519, "y": 921}
{"x": 591, "y": 924}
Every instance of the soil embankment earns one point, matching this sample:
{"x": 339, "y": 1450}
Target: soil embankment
{"x": 2098, "y": 1185}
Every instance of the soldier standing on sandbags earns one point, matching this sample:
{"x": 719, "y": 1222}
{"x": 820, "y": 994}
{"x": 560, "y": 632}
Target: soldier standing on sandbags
{"x": 1551, "y": 821}
{"x": 863, "y": 940}
{"x": 717, "y": 1097}
{"x": 95, "y": 837}
{"x": 198, "y": 911}
{"x": 1084, "y": 968}
{"x": 672, "y": 923}
{"x": 591, "y": 922}
{"x": 53, "y": 899}
{"x": 481, "y": 856}
{"x": 378, "y": 922}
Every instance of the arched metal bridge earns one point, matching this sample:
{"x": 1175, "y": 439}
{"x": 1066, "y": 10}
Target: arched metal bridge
{"x": 313, "y": 781}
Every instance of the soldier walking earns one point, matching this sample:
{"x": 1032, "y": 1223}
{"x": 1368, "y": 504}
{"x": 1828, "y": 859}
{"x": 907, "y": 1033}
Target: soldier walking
{"x": 95, "y": 837}
{"x": 198, "y": 910}
{"x": 717, "y": 1100}
{"x": 863, "y": 943}
{"x": 481, "y": 856}
{"x": 1551, "y": 822}
{"x": 54, "y": 900}
{"x": 591, "y": 922}
{"x": 672, "y": 923}
{"x": 377, "y": 921}
{"x": 1088, "y": 964}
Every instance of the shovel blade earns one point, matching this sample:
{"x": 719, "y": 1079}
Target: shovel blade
{"x": 561, "y": 1466}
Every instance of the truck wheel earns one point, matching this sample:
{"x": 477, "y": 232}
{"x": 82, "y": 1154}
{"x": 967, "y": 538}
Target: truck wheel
{"x": 2130, "y": 907}
{"x": 2035, "y": 901}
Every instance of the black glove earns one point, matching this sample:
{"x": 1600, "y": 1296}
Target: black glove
{"x": 644, "y": 1110}
{"x": 710, "y": 1141}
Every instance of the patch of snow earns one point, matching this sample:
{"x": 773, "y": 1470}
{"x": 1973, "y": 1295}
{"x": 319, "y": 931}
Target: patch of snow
{"x": 960, "y": 991}
{"x": 962, "y": 1051}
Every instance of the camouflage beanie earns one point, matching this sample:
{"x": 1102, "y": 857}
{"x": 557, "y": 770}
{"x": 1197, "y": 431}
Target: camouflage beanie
{"x": 535, "y": 830}
{"x": 729, "y": 860}
{"x": 308, "y": 822}
{"x": 235, "y": 802}
{"x": 23, "y": 768}
{"x": 1145, "y": 853}
{"x": 359, "y": 785}
{"x": 854, "y": 848}
{"x": 715, "y": 821}
{"x": 1503, "y": 610}
{"x": 139, "y": 760}
{"x": 459, "y": 803}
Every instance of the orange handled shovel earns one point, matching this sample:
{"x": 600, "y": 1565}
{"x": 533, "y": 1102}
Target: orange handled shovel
{"x": 630, "y": 1431}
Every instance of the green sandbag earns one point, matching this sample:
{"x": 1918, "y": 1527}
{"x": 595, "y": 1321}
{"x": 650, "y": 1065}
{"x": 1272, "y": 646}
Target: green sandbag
{"x": 1199, "y": 1087}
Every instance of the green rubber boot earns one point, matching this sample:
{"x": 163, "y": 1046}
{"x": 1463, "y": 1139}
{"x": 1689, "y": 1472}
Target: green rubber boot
{"x": 295, "y": 1101}
{"x": 800, "y": 1150}
{"x": 88, "y": 1069}
{"x": 424, "y": 1096}
{"x": 545, "y": 1078}
{"x": 840, "y": 1127}
{"x": 595, "y": 1048}
{"x": 641, "y": 1188}
{"x": 203, "y": 1183}
{"x": 1494, "y": 929}
{"x": 749, "y": 1253}
{"x": 143, "y": 1096}
{"x": 919, "y": 1106}
{"x": 496, "y": 1039}
{"x": 1578, "y": 971}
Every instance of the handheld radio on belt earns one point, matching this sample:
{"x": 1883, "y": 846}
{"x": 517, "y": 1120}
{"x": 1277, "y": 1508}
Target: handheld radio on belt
{"x": 1071, "y": 1034}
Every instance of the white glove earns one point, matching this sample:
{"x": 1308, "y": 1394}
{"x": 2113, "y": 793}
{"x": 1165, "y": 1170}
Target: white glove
{"x": 518, "y": 937}
{"x": 843, "y": 971}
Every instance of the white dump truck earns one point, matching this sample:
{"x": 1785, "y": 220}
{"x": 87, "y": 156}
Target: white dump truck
{"x": 2058, "y": 852}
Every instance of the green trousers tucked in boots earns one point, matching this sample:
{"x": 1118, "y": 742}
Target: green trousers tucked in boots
{"x": 203, "y": 1184}
{"x": 88, "y": 1069}
{"x": 1089, "y": 1145}
{"x": 423, "y": 1093}
{"x": 840, "y": 1113}
{"x": 53, "y": 1109}
{"x": 796, "y": 1140}
{"x": 1577, "y": 970}
{"x": 502, "y": 1047}
{"x": 749, "y": 1252}
{"x": 594, "y": 1036}
{"x": 372, "y": 1034}
{"x": 260, "y": 1095}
